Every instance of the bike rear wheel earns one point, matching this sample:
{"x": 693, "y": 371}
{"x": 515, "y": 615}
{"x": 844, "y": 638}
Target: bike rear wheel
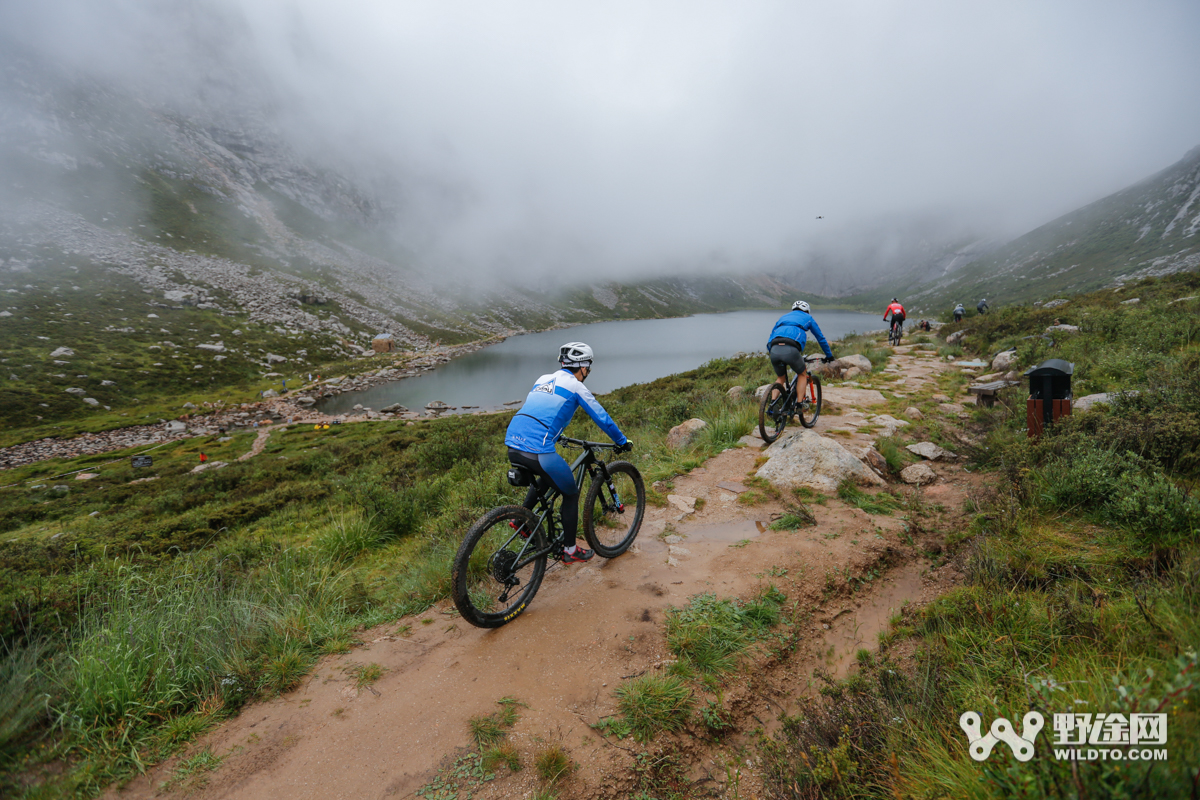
{"x": 613, "y": 510}
{"x": 773, "y": 413}
{"x": 809, "y": 412}
{"x": 489, "y": 583}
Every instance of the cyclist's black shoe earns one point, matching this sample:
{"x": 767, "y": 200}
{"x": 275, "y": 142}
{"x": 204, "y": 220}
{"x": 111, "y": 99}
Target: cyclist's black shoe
{"x": 578, "y": 557}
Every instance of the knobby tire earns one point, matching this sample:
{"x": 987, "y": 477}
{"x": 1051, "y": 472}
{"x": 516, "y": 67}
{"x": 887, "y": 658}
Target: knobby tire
{"x": 808, "y": 416}
{"x": 481, "y": 562}
{"x": 610, "y": 531}
{"x": 771, "y": 417}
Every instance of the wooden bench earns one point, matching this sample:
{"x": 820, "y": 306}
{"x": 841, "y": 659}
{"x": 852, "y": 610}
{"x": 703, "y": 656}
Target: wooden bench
{"x": 985, "y": 393}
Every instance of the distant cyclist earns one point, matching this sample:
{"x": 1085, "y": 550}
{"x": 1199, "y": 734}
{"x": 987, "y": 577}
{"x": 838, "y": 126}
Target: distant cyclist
{"x": 958, "y": 312}
{"x": 897, "y": 313}
{"x": 786, "y": 345}
{"x": 982, "y": 307}
{"x": 535, "y": 429}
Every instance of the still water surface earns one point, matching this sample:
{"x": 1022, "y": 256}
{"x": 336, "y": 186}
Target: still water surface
{"x": 627, "y": 352}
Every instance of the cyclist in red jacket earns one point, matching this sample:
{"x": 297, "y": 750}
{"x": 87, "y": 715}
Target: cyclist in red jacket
{"x": 897, "y": 312}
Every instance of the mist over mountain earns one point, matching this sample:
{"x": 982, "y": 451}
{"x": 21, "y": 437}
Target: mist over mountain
{"x": 446, "y": 174}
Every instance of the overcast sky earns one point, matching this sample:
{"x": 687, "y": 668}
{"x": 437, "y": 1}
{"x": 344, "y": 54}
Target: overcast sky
{"x": 639, "y": 133}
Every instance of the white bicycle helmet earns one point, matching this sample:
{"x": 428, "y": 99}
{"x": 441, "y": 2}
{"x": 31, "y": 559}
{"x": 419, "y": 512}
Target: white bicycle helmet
{"x": 800, "y": 305}
{"x": 575, "y": 354}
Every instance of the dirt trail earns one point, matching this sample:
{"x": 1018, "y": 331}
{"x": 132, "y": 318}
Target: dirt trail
{"x": 589, "y": 628}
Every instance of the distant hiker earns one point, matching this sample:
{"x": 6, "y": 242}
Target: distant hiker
{"x": 785, "y": 346}
{"x": 958, "y": 312}
{"x": 285, "y": 385}
{"x": 203, "y": 458}
{"x": 982, "y": 307}
{"x": 535, "y": 429}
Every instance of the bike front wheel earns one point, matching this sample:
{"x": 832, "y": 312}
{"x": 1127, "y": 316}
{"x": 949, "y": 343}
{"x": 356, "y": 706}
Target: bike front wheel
{"x": 613, "y": 509}
{"x": 499, "y": 566}
{"x": 773, "y": 414}
{"x": 810, "y": 410}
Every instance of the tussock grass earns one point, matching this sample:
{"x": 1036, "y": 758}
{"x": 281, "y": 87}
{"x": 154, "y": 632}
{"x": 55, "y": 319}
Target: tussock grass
{"x": 653, "y": 703}
{"x": 553, "y": 764}
{"x": 880, "y": 503}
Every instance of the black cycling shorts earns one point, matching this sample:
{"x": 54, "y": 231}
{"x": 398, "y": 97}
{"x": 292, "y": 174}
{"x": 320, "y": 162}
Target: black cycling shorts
{"x": 785, "y": 355}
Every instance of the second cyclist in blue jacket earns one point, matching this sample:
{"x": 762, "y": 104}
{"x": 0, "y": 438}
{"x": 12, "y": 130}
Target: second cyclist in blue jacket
{"x": 785, "y": 346}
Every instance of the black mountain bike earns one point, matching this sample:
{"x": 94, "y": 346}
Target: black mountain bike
{"x": 779, "y": 406}
{"x": 501, "y": 562}
{"x": 896, "y": 331}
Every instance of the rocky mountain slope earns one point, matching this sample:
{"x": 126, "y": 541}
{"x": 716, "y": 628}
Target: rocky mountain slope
{"x": 1148, "y": 229}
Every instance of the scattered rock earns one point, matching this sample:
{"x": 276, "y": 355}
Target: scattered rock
{"x": 919, "y": 474}
{"x": 274, "y": 359}
{"x": 682, "y": 502}
{"x": 305, "y": 401}
{"x": 685, "y": 433}
{"x": 436, "y": 405}
{"x": 91, "y": 401}
{"x": 958, "y": 336}
{"x": 270, "y": 393}
{"x": 1004, "y": 361}
{"x": 1131, "y": 301}
{"x": 394, "y": 408}
{"x": 76, "y": 391}
{"x": 950, "y": 408}
{"x": 207, "y": 465}
{"x": 676, "y": 550}
{"x": 760, "y": 391}
{"x": 736, "y": 392}
{"x": 931, "y": 451}
{"x": 875, "y": 460}
{"x": 731, "y": 486}
{"x": 807, "y": 458}
{"x": 844, "y": 396}
{"x": 750, "y": 440}
{"x": 87, "y": 476}
{"x": 62, "y": 352}
{"x": 853, "y": 372}
{"x": 673, "y": 538}
{"x": 1063, "y": 329}
{"x": 914, "y": 413}
{"x": 1089, "y": 401}
{"x": 1056, "y": 303}
{"x": 889, "y": 423}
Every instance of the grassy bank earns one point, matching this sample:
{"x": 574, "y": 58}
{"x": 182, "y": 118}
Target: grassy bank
{"x": 137, "y": 615}
{"x": 1083, "y": 582}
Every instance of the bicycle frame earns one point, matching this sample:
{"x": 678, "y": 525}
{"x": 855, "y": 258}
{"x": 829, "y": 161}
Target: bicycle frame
{"x": 543, "y": 502}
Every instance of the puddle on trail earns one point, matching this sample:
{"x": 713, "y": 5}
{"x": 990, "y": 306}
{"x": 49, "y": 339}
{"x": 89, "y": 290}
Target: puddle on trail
{"x": 852, "y": 628}
{"x": 725, "y": 531}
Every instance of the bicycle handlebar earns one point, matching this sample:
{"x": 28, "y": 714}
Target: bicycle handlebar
{"x": 569, "y": 442}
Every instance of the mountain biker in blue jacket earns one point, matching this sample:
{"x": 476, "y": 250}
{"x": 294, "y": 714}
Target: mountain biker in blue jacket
{"x": 535, "y": 429}
{"x": 785, "y": 346}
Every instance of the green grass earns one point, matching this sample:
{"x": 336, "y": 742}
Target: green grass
{"x": 880, "y": 503}
{"x": 654, "y": 703}
{"x": 552, "y": 764}
{"x": 1082, "y": 586}
{"x": 490, "y": 729}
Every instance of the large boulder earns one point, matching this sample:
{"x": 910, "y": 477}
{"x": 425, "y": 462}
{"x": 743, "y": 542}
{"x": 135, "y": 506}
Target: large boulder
{"x": 685, "y": 433}
{"x": 1004, "y": 361}
{"x": 62, "y": 352}
{"x": 760, "y": 391}
{"x": 736, "y": 392}
{"x": 807, "y": 458}
{"x": 958, "y": 336}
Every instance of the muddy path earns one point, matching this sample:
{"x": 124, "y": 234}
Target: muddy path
{"x": 590, "y": 628}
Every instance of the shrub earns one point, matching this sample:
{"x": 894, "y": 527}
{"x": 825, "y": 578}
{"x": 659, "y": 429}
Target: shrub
{"x": 652, "y": 703}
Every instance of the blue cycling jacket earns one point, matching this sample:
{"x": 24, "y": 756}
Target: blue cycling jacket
{"x": 549, "y": 408}
{"x": 796, "y": 325}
